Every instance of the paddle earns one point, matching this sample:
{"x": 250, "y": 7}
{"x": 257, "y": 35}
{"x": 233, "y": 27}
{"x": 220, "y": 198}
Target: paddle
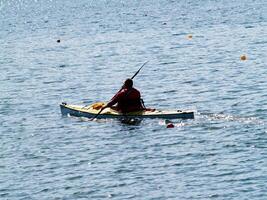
{"x": 119, "y": 91}
{"x": 139, "y": 70}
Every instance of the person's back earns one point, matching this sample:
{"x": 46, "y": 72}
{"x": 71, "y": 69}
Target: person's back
{"x": 128, "y": 99}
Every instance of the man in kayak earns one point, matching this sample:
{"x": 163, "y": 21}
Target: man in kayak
{"x": 128, "y": 99}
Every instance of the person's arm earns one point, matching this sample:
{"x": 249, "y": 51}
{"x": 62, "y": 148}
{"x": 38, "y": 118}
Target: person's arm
{"x": 114, "y": 99}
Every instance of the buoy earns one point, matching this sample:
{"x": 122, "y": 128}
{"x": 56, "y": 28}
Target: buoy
{"x": 58, "y": 41}
{"x": 189, "y": 36}
{"x": 170, "y": 125}
{"x": 243, "y": 57}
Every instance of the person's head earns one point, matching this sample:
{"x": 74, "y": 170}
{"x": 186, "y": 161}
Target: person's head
{"x": 128, "y": 83}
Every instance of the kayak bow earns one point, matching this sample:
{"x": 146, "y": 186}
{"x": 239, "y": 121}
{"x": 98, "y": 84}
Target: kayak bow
{"x": 92, "y": 110}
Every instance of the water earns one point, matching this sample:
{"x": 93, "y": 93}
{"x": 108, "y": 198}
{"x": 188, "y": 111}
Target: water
{"x": 221, "y": 154}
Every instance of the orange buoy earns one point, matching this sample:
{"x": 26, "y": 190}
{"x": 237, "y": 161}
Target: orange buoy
{"x": 170, "y": 125}
{"x": 243, "y": 57}
{"x": 189, "y": 37}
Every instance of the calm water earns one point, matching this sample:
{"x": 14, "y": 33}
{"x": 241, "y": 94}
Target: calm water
{"x": 221, "y": 154}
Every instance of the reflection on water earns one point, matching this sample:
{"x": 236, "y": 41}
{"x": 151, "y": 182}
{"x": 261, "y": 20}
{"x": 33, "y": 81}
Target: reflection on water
{"x": 130, "y": 121}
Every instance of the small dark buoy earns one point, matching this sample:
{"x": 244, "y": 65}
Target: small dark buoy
{"x": 164, "y": 23}
{"x": 189, "y": 36}
{"x": 58, "y": 41}
{"x": 170, "y": 125}
{"x": 243, "y": 57}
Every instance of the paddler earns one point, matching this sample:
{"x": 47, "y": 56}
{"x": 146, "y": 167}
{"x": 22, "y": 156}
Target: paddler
{"x": 128, "y": 99}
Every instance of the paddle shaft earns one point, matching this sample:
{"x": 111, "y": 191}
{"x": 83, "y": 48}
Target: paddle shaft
{"x": 97, "y": 114}
{"x": 120, "y": 90}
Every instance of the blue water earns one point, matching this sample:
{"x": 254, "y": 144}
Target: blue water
{"x": 221, "y": 154}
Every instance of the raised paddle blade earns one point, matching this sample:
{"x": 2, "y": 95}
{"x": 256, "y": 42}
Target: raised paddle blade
{"x": 139, "y": 70}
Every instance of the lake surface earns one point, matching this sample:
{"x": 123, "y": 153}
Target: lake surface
{"x": 193, "y": 49}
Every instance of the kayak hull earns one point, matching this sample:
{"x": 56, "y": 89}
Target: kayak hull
{"x": 89, "y": 112}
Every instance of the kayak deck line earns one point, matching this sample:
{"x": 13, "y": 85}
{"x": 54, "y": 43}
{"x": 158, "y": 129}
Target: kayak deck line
{"x": 90, "y": 112}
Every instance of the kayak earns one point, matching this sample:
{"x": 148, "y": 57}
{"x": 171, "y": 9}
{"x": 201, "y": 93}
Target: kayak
{"x": 92, "y": 110}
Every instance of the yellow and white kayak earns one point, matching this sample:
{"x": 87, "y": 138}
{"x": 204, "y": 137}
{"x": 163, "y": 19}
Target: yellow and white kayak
{"x": 92, "y": 110}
